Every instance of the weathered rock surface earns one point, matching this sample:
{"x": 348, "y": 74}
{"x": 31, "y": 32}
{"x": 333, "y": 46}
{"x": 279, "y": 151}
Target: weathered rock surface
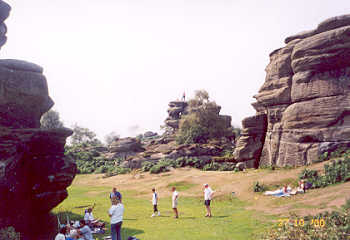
{"x": 306, "y": 97}
{"x": 34, "y": 173}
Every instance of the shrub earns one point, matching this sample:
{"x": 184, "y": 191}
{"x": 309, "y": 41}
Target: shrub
{"x": 335, "y": 172}
{"x": 158, "y": 169}
{"x": 259, "y": 188}
{"x": 336, "y": 226}
{"x": 146, "y": 166}
{"x": 203, "y": 122}
{"x": 9, "y": 233}
{"x": 211, "y": 167}
{"x": 227, "y": 167}
{"x": 308, "y": 173}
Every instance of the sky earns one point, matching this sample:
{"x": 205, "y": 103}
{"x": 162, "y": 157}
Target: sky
{"x": 114, "y": 65}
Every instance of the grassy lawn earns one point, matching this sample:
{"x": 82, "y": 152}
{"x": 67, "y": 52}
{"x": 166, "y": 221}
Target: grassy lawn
{"x": 230, "y": 219}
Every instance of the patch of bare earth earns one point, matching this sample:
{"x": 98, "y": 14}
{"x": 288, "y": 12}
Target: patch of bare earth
{"x": 224, "y": 183}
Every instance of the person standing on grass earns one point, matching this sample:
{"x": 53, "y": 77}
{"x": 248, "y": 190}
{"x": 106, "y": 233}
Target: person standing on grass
{"x": 116, "y": 213}
{"x": 155, "y": 202}
{"x": 208, "y": 195}
{"x": 175, "y": 198}
{"x": 115, "y": 194}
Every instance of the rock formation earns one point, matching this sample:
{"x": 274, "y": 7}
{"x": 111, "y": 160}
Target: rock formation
{"x": 155, "y": 147}
{"x": 303, "y": 108}
{"x": 34, "y": 173}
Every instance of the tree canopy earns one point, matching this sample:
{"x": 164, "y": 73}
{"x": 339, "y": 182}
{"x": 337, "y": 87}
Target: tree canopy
{"x": 50, "y": 120}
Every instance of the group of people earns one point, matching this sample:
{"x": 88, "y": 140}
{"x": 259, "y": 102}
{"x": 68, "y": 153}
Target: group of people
{"x": 82, "y": 231}
{"x": 286, "y": 191}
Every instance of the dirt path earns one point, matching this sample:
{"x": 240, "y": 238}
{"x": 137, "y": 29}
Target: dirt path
{"x": 224, "y": 183}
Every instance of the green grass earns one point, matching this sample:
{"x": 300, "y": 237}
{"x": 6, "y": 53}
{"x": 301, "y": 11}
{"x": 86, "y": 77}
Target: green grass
{"x": 181, "y": 186}
{"x": 230, "y": 218}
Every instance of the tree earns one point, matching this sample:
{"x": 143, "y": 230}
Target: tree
{"x": 83, "y": 135}
{"x": 109, "y": 138}
{"x": 50, "y": 120}
{"x": 203, "y": 122}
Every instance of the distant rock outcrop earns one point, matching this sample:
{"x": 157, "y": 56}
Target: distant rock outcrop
{"x": 305, "y": 99}
{"x": 154, "y": 147}
{"x": 34, "y": 173}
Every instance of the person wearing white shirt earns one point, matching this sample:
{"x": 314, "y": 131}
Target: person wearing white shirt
{"x": 89, "y": 217}
{"x": 208, "y": 195}
{"x": 155, "y": 202}
{"x": 175, "y": 198}
{"x": 116, "y": 213}
{"x": 61, "y": 234}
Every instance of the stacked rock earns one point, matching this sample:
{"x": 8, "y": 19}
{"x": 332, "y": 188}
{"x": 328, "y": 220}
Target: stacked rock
{"x": 176, "y": 109}
{"x": 306, "y": 97}
{"x": 34, "y": 173}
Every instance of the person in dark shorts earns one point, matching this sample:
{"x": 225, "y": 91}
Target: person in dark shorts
{"x": 208, "y": 195}
{"x": 155, "y": 203}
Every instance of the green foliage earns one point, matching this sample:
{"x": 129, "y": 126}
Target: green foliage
{"x": 88, "y": 160}
{"x": 117, "y": 171}
{"x": 259, "y": 188}
{"x": 214, "y": 166}
{"x": 335, "y": 172}
{"x": 9, "y": 233}
{"x": 206, "y": 165}
{"x": 181, "y": 186}
{"x": 308, "y": 173}
{"x": 159, "y": 168}
{"x": 203, "y": 123}
{"x": 324, "y": 226}
{"x": 146, "y": 166}
{"x": 51, "y": 120}
{"x": 83, "y": 135}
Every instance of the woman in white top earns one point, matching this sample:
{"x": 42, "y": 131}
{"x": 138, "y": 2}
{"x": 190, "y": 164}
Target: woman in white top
{"x": 208, "y": 195}
{"x": 116, "y": 213}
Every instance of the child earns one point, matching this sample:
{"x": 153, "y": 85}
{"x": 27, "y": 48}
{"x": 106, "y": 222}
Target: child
{"x": 155, "y": 203}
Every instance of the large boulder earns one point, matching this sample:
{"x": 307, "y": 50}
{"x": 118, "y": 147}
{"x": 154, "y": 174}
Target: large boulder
{"x": 24, "y": 94}
{"x": 34, "y": 172}
{"x": 306, "y": 97}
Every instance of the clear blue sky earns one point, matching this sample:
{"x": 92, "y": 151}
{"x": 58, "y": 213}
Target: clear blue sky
{"x": 113, "y": 65}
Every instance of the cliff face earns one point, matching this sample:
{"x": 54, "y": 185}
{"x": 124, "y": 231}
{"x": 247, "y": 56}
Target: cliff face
{"x": 34, "y": 173}
{"x": 305, "y": 98}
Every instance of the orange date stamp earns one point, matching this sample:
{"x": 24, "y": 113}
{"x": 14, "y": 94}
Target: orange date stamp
{"x": 316, "y": 222}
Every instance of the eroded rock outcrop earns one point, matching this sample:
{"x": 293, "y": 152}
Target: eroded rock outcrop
{"x": 34, "y": 173}
{"x": 306, "y": 96}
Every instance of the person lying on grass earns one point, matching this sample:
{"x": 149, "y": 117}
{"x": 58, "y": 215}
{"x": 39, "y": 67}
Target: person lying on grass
{"x": 208, "y": 195}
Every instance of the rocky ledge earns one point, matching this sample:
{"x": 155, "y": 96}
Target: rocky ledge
{"x": 34, "y": 173}
{"x": 305, "y": 99}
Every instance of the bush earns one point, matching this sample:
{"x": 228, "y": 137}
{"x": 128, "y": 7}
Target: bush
{"x": 211, "y": 167}
{"x": 336, "y": 226}
{"x": 9, "y": 233}
{"x": 159, "y": 169}
{"x": 308, "y": 173}
{"x": 335, "y": 172}
{"x": 117, "y": 171}
{"x": 146, "y": 166}
{"x": 203, "y": 122}
{"x": 227, "y": 167}
{"x": 259, "y": 188}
